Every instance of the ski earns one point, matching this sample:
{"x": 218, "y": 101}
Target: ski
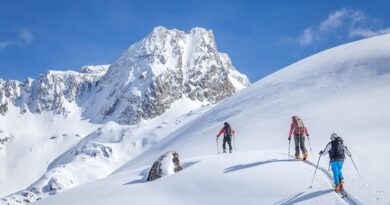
{"x": 343, "y": 193}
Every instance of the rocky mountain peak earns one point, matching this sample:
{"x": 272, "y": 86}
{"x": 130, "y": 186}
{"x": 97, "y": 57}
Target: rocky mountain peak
{"x": 162, "y": 68}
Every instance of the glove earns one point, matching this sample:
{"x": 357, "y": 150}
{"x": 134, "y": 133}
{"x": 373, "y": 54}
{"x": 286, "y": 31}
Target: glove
{"x": 321, "y": 152}
{"x": 307, "y": 135}
{"x": 289, "y": 138}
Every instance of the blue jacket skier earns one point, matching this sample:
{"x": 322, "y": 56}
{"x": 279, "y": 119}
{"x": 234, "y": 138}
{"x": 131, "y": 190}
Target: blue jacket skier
{"x": 337, "y": 151}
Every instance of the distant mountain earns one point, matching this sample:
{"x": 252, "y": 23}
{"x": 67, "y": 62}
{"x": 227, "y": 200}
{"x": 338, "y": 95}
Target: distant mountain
{"x": 162, "y": 68}
{"x": 50, "y": 92}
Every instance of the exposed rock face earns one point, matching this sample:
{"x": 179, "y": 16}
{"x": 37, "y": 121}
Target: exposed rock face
{"x": 51, "y": 92}
{"x": 4, "y": 139}
{"x": 166, "y": 165}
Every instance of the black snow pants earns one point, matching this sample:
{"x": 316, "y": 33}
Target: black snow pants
{"x": 227, "y": 139}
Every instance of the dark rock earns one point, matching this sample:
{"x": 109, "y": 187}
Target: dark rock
{"x": 166, "y": 165}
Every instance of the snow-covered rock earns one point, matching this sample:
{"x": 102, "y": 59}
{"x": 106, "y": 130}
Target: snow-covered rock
{"x": 167, "y": 164}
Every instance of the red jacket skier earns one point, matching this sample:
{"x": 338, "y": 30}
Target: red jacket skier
{"x": 299, "y": 130}
{"x": 227, "y": 137}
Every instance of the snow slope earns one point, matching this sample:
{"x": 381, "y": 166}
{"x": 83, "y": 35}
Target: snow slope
{"x": 344, "y": 90}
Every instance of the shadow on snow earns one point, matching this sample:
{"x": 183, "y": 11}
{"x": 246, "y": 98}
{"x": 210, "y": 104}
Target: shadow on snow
{"x": 303, "y": 197}
{"x": 247, "y": 166}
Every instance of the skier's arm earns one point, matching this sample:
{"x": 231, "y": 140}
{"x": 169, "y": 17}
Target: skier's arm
{"x": 346, "y": 150}
{"x": 306, "y": 132}
{"x": 220, "y": 132}
{"x": 291, "y": 131}
{"x": 326, "y": 150}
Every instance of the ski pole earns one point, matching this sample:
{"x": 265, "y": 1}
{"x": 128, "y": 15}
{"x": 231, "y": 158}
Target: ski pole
{"x": 329, "y": 167}
{"x": 234, "y": 141}
{"x": 312, "y": 181}
{"x": 309, "y": 144}
{"x": 354, "y": 165}
{"x": 353, "y": 162}
{"x": 289, "y": 146}
{"x": 217, "y": 146}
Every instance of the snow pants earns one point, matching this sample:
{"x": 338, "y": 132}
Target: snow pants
{"x": 227, "y": 139}
{"x": 299, "y": 141}
{"x": 337, "y": 173}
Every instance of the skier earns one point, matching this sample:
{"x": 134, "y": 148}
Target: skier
{"x": 299, "y": 130}
{"x": 336, "y": 150}
{"x": 227, "y": 136}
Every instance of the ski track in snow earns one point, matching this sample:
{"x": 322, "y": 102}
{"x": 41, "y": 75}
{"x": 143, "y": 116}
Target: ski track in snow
{"x": 350, "y": 199}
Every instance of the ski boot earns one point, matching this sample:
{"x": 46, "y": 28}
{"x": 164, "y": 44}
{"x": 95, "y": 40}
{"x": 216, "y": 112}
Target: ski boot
{"x": 224, "y": 151}
{"x": 341, "y": 184}
{"x": 230, "y": 151}
{"x": 337, "y": 188}
{"x": 305, "y": 156}
{"x": 298, "y": 157}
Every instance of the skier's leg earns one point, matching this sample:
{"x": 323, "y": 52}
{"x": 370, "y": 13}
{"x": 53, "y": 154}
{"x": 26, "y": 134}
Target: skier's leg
{"x": 229, "y": 140}
{"x": 303, "y": 147}
{"x": 340, "y": 170}
{"x": 224, "y": 144}
{"x": 296, "y": 142}
{"x": 302, "y": 143}
{"x": 336, "y": 175}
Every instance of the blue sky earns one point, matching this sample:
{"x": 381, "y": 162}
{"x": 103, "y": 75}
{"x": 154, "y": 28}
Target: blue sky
{"x": 259, "y": 36}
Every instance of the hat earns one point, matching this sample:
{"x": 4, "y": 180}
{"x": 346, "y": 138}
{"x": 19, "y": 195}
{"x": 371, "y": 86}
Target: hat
{"x": 333, "y": 136}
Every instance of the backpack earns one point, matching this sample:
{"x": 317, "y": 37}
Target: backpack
{"x": 299, "y": 126}
{"x": 228, "y": 131}
{"x": 299, "y": 123}
{"x": 336, "y": 152}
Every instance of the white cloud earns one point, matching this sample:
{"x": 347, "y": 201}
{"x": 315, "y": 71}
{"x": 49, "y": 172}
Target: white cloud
{"x": 26, "y": 36}
{"x": 364, "y": 33}
{"x": 5, "y": 44}
{"x": 343, "y": 23}
{"x": 307, "y": 37}
{"x": 334, "y": 20}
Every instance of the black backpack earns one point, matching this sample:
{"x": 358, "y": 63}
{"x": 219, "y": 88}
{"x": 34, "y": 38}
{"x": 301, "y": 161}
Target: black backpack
{"x": 228, "y": 131}
{"x": 337, "y": 151}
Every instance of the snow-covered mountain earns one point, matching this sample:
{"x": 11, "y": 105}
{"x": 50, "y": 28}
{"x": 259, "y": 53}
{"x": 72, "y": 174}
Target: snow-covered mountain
{"x": 164, "y": 67}
{"x": 53, "y": 91}
{"x": 344, "y": 90}
{"x": 81, "y": 126}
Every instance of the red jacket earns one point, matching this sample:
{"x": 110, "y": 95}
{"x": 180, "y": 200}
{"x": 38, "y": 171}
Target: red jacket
{"x": 297, "y": 131}
{"x": 223, "y": 131}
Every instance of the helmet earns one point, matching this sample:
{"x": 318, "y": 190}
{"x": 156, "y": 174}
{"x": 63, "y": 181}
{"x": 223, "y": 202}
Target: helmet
{"x": 333, "y": 136}
{"x": 226, "y": 124}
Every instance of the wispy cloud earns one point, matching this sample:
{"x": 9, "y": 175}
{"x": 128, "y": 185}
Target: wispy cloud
{"x": 26, "y": 36}
{"x": 23, "y": 38}
{"x": 343, "y": 23}
{"x": 307, "y": 37}
{"x": 5, "y": 44}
